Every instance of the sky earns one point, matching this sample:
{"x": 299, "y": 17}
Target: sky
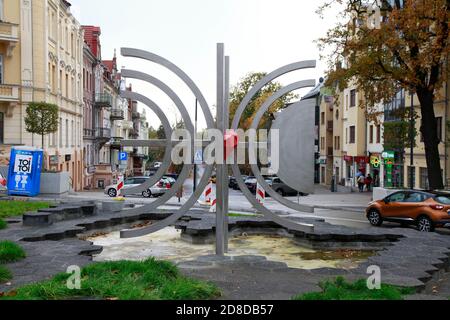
{"x": 259, "y": 36}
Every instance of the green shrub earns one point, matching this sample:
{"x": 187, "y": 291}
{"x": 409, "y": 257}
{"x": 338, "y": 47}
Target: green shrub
{"x": 339, "y": 289}
{"x": 3, "y": 224}
{"x": 10, "y": 252}
{"x": 5, "y": 274}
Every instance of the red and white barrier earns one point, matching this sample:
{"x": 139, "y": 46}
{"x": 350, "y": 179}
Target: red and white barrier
{"x": 213, "y": 205}
{"x": 260, "y": 194}
{"x": 120, "y": 185}
{"x": 209, "y": 193}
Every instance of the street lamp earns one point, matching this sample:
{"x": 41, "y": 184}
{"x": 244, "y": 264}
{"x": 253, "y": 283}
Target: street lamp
{"x": 412, "y": 142}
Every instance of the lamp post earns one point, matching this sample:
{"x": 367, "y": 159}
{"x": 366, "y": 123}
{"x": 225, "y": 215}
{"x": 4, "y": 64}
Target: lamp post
{"x": 195, "y": 137}
{"x": 411, "y": 141}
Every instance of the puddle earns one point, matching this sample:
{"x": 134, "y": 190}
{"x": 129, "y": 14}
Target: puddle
{"x": 167, "y": 245}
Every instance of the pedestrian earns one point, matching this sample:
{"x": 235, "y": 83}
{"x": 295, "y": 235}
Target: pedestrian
{"x": 361, "y": 182}
{"x": 368, "y": 182}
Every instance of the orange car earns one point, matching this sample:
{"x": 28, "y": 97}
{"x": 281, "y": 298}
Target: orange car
{"x": 426, "y": 210}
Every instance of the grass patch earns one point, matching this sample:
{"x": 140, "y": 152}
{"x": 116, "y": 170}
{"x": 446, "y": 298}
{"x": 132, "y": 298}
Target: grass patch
{"x": 13, "y": 208}
{"x": 241, "y": 215}
{"x": 10, "y": 252}
{"x": 3, "y": 224}
{"x": 339, "y": 289}
{"x": 5, "y": 274}
{"x": 123, "y": 280}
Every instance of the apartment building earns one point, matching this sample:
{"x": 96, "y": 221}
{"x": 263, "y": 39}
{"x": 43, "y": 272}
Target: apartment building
{"x": 41, "y": 60}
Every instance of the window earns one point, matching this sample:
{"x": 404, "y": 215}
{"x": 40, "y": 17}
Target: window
{"x": 371, "y": 134}
{"x": 424, "y": 179}
{"x": 72, "y": 129}
{"x": 67, "y": 86}
{"x": 416, "y": 197}
{"x": 2, "y": 128}
{"x": 1, "y": 68}
{"x": 337, "y": 114}
{"x": 322, "y": 118}
{"x": 322, "y": 143}
{"x": 61, "y": 81}
{"x": 67, "y": 133}
{"x": 379, "y": 134}
{"x": 397, "y": 197}
{"x": 439, "y": 128}
{"x": 1, "y": 10}
{"x": 352, "y": 134}
{"x": 60, "y": 133}
{"x": 352, "y": 98}
{"x": 443, "y": 199}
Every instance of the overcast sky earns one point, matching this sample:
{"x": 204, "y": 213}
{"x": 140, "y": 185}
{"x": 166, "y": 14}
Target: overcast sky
{"x": 259, "y": 35}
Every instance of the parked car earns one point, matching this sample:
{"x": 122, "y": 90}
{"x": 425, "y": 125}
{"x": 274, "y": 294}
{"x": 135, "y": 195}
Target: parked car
{"x": 132, "y": 182}
{"x": 171, "y": 180}
{"x": 282, "y": 188}
{"x": 426, "y": 210}
{"x": 251, "y": 184}
{"x": 233, "y": 184}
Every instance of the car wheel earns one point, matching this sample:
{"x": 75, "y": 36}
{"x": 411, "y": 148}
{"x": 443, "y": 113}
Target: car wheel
{"x": 281, "y": 192}
{"x": 112, "y": 193}
{"x": 375, "y": 218}
{"x": 147, "y": 194}
{"x": 424, "y": 224}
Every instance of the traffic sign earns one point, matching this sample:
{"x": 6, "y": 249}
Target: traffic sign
{"x": 123, "y": 156}
{"x": 198, "y": 159}
{"x": 388, "y": 155}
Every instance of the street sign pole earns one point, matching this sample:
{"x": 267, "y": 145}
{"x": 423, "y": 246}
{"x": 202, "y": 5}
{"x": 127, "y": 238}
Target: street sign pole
{"x": 220, "y": 179}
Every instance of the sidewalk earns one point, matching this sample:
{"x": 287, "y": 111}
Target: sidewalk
{"x": 321, "y": 199}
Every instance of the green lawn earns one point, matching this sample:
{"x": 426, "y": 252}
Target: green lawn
{"x": 13, "y": 208}
{"x": 10, "y": 252}
{"x": 239, "y": 215}
{"x": 339, "y": 289}
{"x": 122, "y": 280}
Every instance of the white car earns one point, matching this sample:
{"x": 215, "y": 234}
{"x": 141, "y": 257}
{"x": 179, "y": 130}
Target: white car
{"x": 157, "y": 190}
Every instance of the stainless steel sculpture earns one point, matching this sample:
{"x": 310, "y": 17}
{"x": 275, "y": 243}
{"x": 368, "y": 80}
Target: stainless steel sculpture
{"x": 296, "y": 126}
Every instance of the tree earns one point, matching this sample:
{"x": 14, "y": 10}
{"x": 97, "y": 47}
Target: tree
{"x": 407, "y": 50}
{"x": 239, "y": 92}
{"x": 42, "y": 118}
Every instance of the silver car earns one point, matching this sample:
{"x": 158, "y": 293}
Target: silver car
{"x": 132, "y": 182}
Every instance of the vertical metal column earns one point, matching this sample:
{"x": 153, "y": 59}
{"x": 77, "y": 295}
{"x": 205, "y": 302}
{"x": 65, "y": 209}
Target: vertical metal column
{"x": 220, "y": 181}
{"x": 226, "y": 120}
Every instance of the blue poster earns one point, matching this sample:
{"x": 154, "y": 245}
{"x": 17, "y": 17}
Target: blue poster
{"x": 24, "y": 175}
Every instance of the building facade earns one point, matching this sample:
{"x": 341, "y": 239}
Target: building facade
{"x": 43, "y": 63}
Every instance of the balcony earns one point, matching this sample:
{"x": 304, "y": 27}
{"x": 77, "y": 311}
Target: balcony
{"x": 127, "y": 125}
{"x": 10, "y": 95}
{"x": 134, "y": 134}
{"x": 117, "y": 114}
{"x": 116, "y": 143}
{"x": 136, "y": 115}
{"x": 91, "y": 169}
{"x": 330, "y": 126}
{"x": 88, "y": 133}
{"x": 103, "y": 134}
{"x": 103, "y": 100}
{"x": 9, "y": 35}
{"x": 330, "y": 152}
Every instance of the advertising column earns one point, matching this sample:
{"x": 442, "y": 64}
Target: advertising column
{"x": 24, "y": 175}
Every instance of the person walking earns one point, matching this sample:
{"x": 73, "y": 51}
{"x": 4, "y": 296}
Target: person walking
{"x": 361, "y": 183}
{"x": 369, "y": 182}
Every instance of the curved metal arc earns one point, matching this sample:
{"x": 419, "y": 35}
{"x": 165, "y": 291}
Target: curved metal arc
{"x": 167, "y": 130}
{"x": 175, "y": 216}
{"x": 270, "y": 77}
{"x": 132, "y": 74}
{"x": 303, "y": 227}
{"x": 272, "y": 99}
{"x": 141, "y": 54}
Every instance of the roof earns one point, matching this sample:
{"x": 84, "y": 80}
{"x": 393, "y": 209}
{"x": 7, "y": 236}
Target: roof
{"x": 92, "y": 39}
